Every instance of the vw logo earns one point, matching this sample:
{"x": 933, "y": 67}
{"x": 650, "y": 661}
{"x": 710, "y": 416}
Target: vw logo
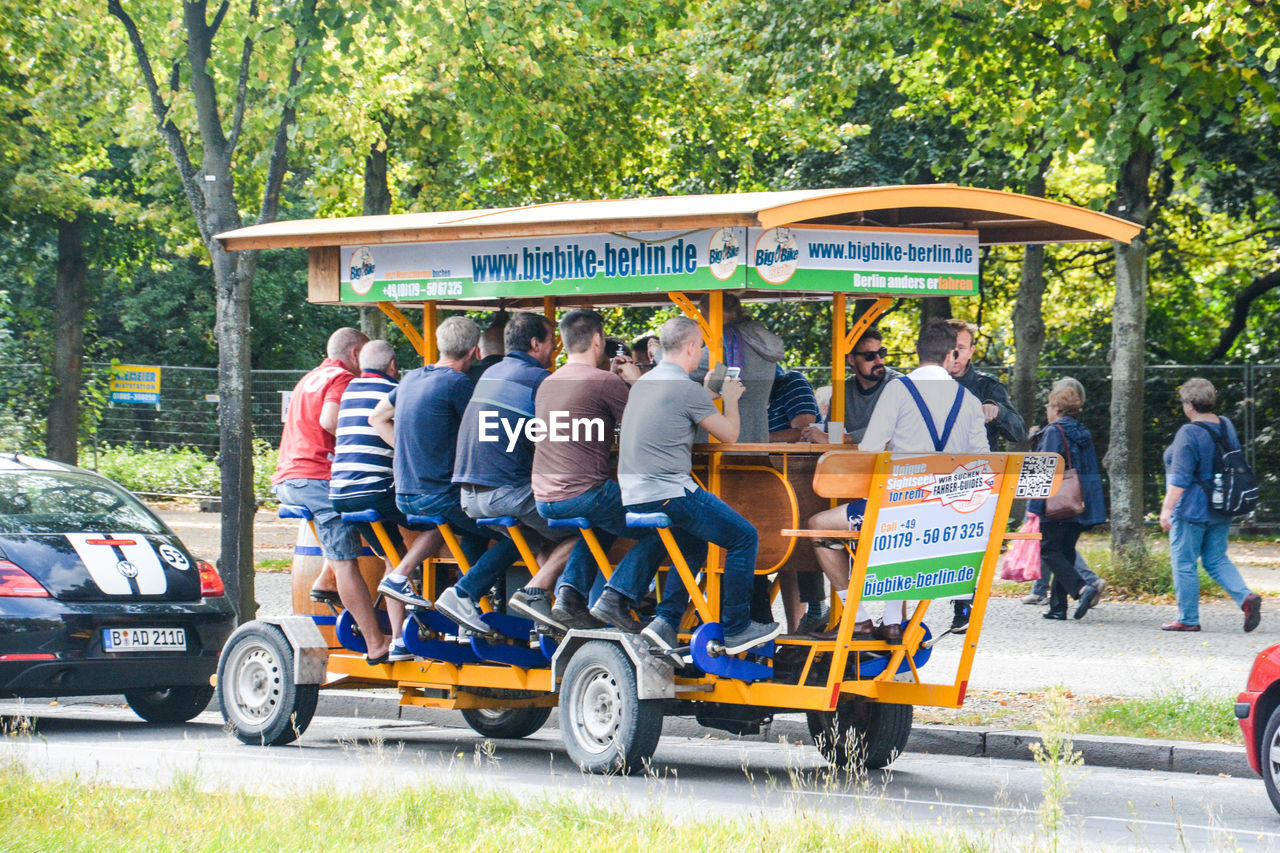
{"x": 127, "y": 569}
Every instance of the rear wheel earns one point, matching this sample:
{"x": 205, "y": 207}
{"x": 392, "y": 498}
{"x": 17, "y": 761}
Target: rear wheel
{"x": 172, "y": 705}
{"x": 256, "y": 689}
{"x": 861, "y": 735}
{"x": 506, "y": 723}
{"x": 606, "y": 727}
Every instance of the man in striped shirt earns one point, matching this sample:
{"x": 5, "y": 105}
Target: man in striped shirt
{"x": 362, "y": 479}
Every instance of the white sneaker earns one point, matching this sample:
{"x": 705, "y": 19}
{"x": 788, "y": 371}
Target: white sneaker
{"x": 1032, "y": 598}
{"x": 461, "y": 610}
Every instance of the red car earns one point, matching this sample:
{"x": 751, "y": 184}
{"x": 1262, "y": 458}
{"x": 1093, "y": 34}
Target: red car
{"x": 1258, "y": 709}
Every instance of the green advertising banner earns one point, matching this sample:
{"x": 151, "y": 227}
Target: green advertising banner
{"x": 851, "y": 260}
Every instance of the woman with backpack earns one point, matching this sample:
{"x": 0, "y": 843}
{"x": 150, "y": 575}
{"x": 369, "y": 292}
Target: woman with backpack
{"x": 1198, "y": 532}
{"x": 1077, "y": 506}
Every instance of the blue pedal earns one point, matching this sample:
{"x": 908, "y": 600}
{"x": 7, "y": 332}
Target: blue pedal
{"x": 873, "y": 667}
{"x": 728, "y": 666}
{"x": 512, "y": 627}
{"x": 348, "y": 633}
{"x": 441, "y": 650}
{"x": 438, "y": 622}
{"x": 547, "y": 645}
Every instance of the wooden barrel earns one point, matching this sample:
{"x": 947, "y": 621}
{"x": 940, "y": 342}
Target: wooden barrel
{"x": 307, "y": 563}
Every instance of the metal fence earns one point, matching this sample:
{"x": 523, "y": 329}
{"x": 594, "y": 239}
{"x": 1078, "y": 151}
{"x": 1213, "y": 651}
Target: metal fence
{"x": 1249, "y": 394}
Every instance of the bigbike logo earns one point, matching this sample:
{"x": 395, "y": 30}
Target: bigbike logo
{"x": 361, "y": 270}
{"x": 559, "y": 427}
{"x": 777, "y": 255}
{"x": 724, "y": 253}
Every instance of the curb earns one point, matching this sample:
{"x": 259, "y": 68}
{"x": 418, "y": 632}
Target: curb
{"x": 1126, "y": 753}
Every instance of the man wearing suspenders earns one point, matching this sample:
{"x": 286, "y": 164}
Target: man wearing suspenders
{"x": 926, "y": 411}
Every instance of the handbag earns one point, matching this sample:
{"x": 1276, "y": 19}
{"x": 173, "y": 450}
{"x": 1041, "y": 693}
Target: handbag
{"x": 1022, "y": 558}
{"x": 1068, "y": 503}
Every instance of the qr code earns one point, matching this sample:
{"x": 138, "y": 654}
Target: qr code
{"x": 1036, "y": 479}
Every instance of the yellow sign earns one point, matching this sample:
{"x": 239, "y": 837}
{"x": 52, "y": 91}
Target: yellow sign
{"x": 135, "y": 383}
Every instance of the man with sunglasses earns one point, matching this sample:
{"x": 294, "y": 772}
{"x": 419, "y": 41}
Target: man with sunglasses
{"x": 870, "y": 376}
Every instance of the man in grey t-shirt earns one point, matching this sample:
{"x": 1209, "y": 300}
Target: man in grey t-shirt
{"x": 655, "y": 461}
{"x": 861, "y": 390}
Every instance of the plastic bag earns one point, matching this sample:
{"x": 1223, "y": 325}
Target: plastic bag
{"x": 1022, "y": 559}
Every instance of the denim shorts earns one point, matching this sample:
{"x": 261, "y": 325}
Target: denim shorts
{"x": 338, "y": 540}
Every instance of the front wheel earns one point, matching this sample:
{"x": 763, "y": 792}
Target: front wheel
{"x": 861, "y": 735}
{"x": 606, "y": 726}
{"x": 1269, "y": 758}
{"x": 506, "y": 723}
{"x": 171, "y": 705}
{"x": 255, "y": 685}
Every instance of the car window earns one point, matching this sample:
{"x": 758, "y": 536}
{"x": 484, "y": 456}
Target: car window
{"x": 58, "y": 502}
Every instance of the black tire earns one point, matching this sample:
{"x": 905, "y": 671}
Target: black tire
{"x": 1269, "y": 758}
{"x": 173, "y": 705}
{"x": 255, "y": 687}
{"x": 861, "y": 735}
{"x": 506, "y": 723}
{"x": 606, "y": 728}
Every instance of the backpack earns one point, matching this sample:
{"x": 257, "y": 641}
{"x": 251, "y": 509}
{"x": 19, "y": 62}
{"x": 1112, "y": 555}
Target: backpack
{"x": 1234, "y": 490}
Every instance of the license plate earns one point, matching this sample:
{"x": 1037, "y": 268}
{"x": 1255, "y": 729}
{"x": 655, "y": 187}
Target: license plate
{"x": 144, "y": 639}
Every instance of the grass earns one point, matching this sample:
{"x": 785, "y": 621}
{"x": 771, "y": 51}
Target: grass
{"x": 1172, "y": 716}
{"x": 42, "y": 815}
{"x": 283, "y": 565}
{"x": 1176, "y": 715}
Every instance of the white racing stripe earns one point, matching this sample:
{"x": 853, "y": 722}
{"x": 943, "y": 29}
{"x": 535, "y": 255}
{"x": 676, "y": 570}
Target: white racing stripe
{"x": 103, "y": 563}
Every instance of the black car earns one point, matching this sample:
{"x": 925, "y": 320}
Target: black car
{"x": 97, "y": 595}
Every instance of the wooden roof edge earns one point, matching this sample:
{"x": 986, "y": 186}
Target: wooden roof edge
{"x": 466, "y": 225}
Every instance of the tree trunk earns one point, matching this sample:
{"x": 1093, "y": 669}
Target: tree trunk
{"x": 1028, "y": 324}
{"x": 1128, "y": 349}
{"x": 71, "y": 303}
{"x": 377, "y": 202}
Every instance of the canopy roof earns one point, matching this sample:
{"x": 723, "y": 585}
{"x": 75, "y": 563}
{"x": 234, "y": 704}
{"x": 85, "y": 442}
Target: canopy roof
{"x": 998, "y": 217}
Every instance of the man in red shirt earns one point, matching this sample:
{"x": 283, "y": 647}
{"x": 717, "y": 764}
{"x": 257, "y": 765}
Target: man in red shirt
{"x": 302, "y": 478}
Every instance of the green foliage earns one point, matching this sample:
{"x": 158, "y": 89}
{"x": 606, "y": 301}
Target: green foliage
{"x": 1175, "y": 715}
{"x": 176, "y": 470}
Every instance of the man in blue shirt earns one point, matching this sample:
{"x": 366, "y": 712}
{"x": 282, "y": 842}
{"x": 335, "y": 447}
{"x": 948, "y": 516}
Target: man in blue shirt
{"x": 494, "y": 468}
{"x": 420, "y": 418}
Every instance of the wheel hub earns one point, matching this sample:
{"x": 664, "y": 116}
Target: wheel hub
{"x": 256, "y": 680}
{"x": 597, "y": 714}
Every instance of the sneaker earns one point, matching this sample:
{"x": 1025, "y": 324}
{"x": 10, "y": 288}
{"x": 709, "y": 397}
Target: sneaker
{"x": 661, "y": 633}
{"x": 462, "y": 610}
{"x": 1032, "y": 598}
{"x": 571, "y": 610}
{"x": 815, "y": 623}
{"x": 1088, "y": 597}
{"x": 398, "y": 651}
{"x": 960, "y": 622}
{"x": 401, "y": 590}
{"x": 1179, "y": 626}
{"x": 535, "y": 607}
{"x": 613, "y": 608}
{"x": 755, "y": 634}
{"x": 1252, "y": 608}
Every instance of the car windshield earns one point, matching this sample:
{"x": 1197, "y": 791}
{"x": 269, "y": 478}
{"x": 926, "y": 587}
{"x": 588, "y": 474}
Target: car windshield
{"x": 66, "y": 502}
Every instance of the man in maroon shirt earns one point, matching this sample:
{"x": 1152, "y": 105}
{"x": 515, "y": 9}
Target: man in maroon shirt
{"x": 303, "y": 473}
{"x": 573, "y": 478}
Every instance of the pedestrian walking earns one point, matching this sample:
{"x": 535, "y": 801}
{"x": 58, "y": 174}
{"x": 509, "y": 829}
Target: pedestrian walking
{"x": 1197, "y": 532}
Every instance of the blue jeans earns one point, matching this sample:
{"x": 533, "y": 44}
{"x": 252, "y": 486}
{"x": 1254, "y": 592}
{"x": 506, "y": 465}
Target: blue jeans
{"x": 1205, "y": 541}
{"x": 486, "y": 565}
{"x": 603, "y": 507}
{"x": 697, "y": 519}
